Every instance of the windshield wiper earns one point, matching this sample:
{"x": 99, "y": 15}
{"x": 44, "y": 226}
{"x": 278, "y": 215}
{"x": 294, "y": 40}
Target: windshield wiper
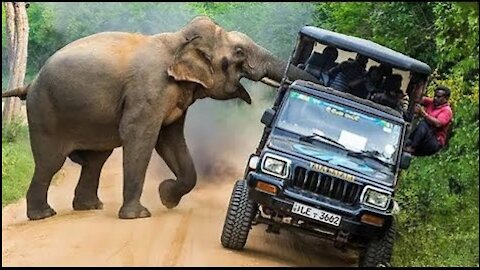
{"x": 375, "y": 155}
{"x": 310, "y": 138}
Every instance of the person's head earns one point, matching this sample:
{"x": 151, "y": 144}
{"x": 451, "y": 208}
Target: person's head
{"x": 331, "y": 53}
{"x": 385, "y": 69}
{"x": 361, "y": 60}
{"x": 393, "y": 83}
{"x": 442, "y": 94}
{"x": 374, "y": 74}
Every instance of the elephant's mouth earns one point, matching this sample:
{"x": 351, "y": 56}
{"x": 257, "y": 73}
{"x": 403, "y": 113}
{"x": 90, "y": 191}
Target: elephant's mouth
{"x": 242, "y": 93}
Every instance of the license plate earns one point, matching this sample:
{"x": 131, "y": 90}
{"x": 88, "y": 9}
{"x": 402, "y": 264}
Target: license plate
{"x": 316, "y": 214}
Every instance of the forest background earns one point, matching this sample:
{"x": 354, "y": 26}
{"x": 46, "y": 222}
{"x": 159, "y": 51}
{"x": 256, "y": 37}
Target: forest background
{"x": 438, "y": 224}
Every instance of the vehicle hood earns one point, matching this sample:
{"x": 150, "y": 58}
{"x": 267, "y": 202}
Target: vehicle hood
{"x": 336, "y": 158}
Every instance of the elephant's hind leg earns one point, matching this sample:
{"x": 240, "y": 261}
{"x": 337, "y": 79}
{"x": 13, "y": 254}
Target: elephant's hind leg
{"x": 86, "y": 192}
{"x": 48, "y": 160}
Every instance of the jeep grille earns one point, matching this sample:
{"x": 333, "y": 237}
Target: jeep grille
{"x": 326, "y": 185}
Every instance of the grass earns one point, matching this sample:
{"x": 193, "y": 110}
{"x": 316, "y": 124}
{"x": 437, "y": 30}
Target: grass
{"x": 17, "y": 165}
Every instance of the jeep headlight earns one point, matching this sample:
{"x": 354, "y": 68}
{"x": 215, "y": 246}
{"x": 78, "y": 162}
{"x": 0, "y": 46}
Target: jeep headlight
{"x": 376, "y": 197}
{"x": 275, "y": 165}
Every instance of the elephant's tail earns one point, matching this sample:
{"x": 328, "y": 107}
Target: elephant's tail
{"x": 20, "y": 92}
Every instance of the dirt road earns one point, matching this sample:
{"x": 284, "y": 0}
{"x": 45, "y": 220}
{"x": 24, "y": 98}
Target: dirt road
{"x": 188, "y": 235}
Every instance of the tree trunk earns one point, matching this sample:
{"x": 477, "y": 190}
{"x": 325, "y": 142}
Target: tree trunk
{"x": 17, "y": 44}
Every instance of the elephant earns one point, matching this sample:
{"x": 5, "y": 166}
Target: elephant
{"x": 130, "y": 90}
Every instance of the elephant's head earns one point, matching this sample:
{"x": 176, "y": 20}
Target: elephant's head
{"x": 217, "y": 60}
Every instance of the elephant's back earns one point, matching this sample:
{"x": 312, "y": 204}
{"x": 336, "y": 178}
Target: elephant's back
{"x": 86, "y": 78}
{"x": 99, "y": 61}
{"x": 106, "y": 48}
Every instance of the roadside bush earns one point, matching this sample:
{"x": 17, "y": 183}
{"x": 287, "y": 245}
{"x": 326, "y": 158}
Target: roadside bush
{"x": 17, "y": 166}
{"x": 439, "y": 198}
{"x": 12, "y": 130}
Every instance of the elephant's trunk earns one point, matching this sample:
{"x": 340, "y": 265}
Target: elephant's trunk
{"x": 276, "y": 67}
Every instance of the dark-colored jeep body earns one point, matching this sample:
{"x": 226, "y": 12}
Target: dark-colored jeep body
{"x": 328, "y": 161}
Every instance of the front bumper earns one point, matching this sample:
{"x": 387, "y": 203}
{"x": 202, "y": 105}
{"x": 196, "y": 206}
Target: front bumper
{"x": 282, "y": 204}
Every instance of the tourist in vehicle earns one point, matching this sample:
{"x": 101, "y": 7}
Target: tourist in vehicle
{"x": 347, "y": 72}
{"x": 430, "y": 135}
{"x": 392, "y": 93}
{"x": 367, "y": 85}
{"x": 386, "y": 70}
{"x": 318, "y": 64}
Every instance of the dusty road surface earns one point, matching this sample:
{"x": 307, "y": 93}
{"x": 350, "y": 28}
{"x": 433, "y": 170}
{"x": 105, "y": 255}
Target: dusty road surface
{"x": 188, "y": 235}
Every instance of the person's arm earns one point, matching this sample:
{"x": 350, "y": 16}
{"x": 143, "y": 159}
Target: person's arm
{"x": 336, "y": 69}
{"x": 356, "y": 82}
{"x": 425, "y": 101}
{"x": 441, "y": 120}
{"x": 405, "y": 101}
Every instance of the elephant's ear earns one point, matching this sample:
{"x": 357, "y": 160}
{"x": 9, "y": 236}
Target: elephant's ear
{"x": 193, "y": 64}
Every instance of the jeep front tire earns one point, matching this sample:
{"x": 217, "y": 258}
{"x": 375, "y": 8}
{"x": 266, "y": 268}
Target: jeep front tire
{"x": 238, "y": 221}
{"x": 378, "y": 251}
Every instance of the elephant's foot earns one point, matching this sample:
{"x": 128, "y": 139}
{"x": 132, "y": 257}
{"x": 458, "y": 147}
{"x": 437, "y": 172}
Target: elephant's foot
{"x": 133, "y": 211}
{"x": 87, "y": 204}
{"x": 168, "y": 196}
{"x": 36, "y": 214}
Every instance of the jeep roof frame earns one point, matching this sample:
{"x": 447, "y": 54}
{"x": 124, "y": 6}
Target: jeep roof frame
{"x": 370, "y": 49}
{"x": 308, "y": 35}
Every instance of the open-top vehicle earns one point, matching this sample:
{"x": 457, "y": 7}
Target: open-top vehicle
{"x": 328, "y": 161}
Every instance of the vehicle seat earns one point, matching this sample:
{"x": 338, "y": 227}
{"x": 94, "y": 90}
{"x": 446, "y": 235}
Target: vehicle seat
{"x": 313, "y": 64}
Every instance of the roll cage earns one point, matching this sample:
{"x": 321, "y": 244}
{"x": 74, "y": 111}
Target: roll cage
{"x": 419, "y": 72}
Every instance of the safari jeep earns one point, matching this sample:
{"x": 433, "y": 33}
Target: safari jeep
{"x": 328, "y": 162}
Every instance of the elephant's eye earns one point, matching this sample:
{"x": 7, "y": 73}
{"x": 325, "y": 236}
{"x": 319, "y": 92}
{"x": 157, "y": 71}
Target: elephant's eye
{"x": 239, "y": 52}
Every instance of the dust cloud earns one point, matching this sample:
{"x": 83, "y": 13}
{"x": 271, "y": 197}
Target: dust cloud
{"x": 221, "y": 135}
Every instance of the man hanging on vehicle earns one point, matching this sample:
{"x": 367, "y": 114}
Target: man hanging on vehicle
{"x": 430, "y": 134}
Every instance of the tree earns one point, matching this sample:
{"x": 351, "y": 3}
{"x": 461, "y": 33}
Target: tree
{"x": 17, "y": 44}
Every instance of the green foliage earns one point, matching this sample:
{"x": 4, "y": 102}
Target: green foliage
{"x": 17, "y": 167}
{"x": 457, "y": 39}
{"x": 43, "y": 38}
{"x": 397, "y": 25}
{"x": 12, "y": 130}
{"x": 438, "y": 195}
{"x": 443, "y": 35}
{"x": 283, "y": 20}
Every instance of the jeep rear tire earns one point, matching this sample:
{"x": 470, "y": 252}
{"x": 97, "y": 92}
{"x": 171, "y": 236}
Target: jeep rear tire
{"x": 378, "y": 252}
{"x": 238, "y": 221}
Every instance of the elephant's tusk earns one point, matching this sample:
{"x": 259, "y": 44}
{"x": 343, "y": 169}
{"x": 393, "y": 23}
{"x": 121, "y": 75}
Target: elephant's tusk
{"x": 270, "y": 82}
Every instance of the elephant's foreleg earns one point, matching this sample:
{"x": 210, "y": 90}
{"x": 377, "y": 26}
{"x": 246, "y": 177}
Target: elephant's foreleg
{"x": 86, "y": 197}
{"x": 171, "y": 146}
{"x": 139, "y": 134}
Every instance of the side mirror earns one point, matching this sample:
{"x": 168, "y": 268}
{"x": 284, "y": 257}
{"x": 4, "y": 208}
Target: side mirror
{"x": 405, "y": 161}
{"x": 267, "y": 117}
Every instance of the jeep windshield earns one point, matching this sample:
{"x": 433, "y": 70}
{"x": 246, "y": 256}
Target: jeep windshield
{"x": 341, "y": 134}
